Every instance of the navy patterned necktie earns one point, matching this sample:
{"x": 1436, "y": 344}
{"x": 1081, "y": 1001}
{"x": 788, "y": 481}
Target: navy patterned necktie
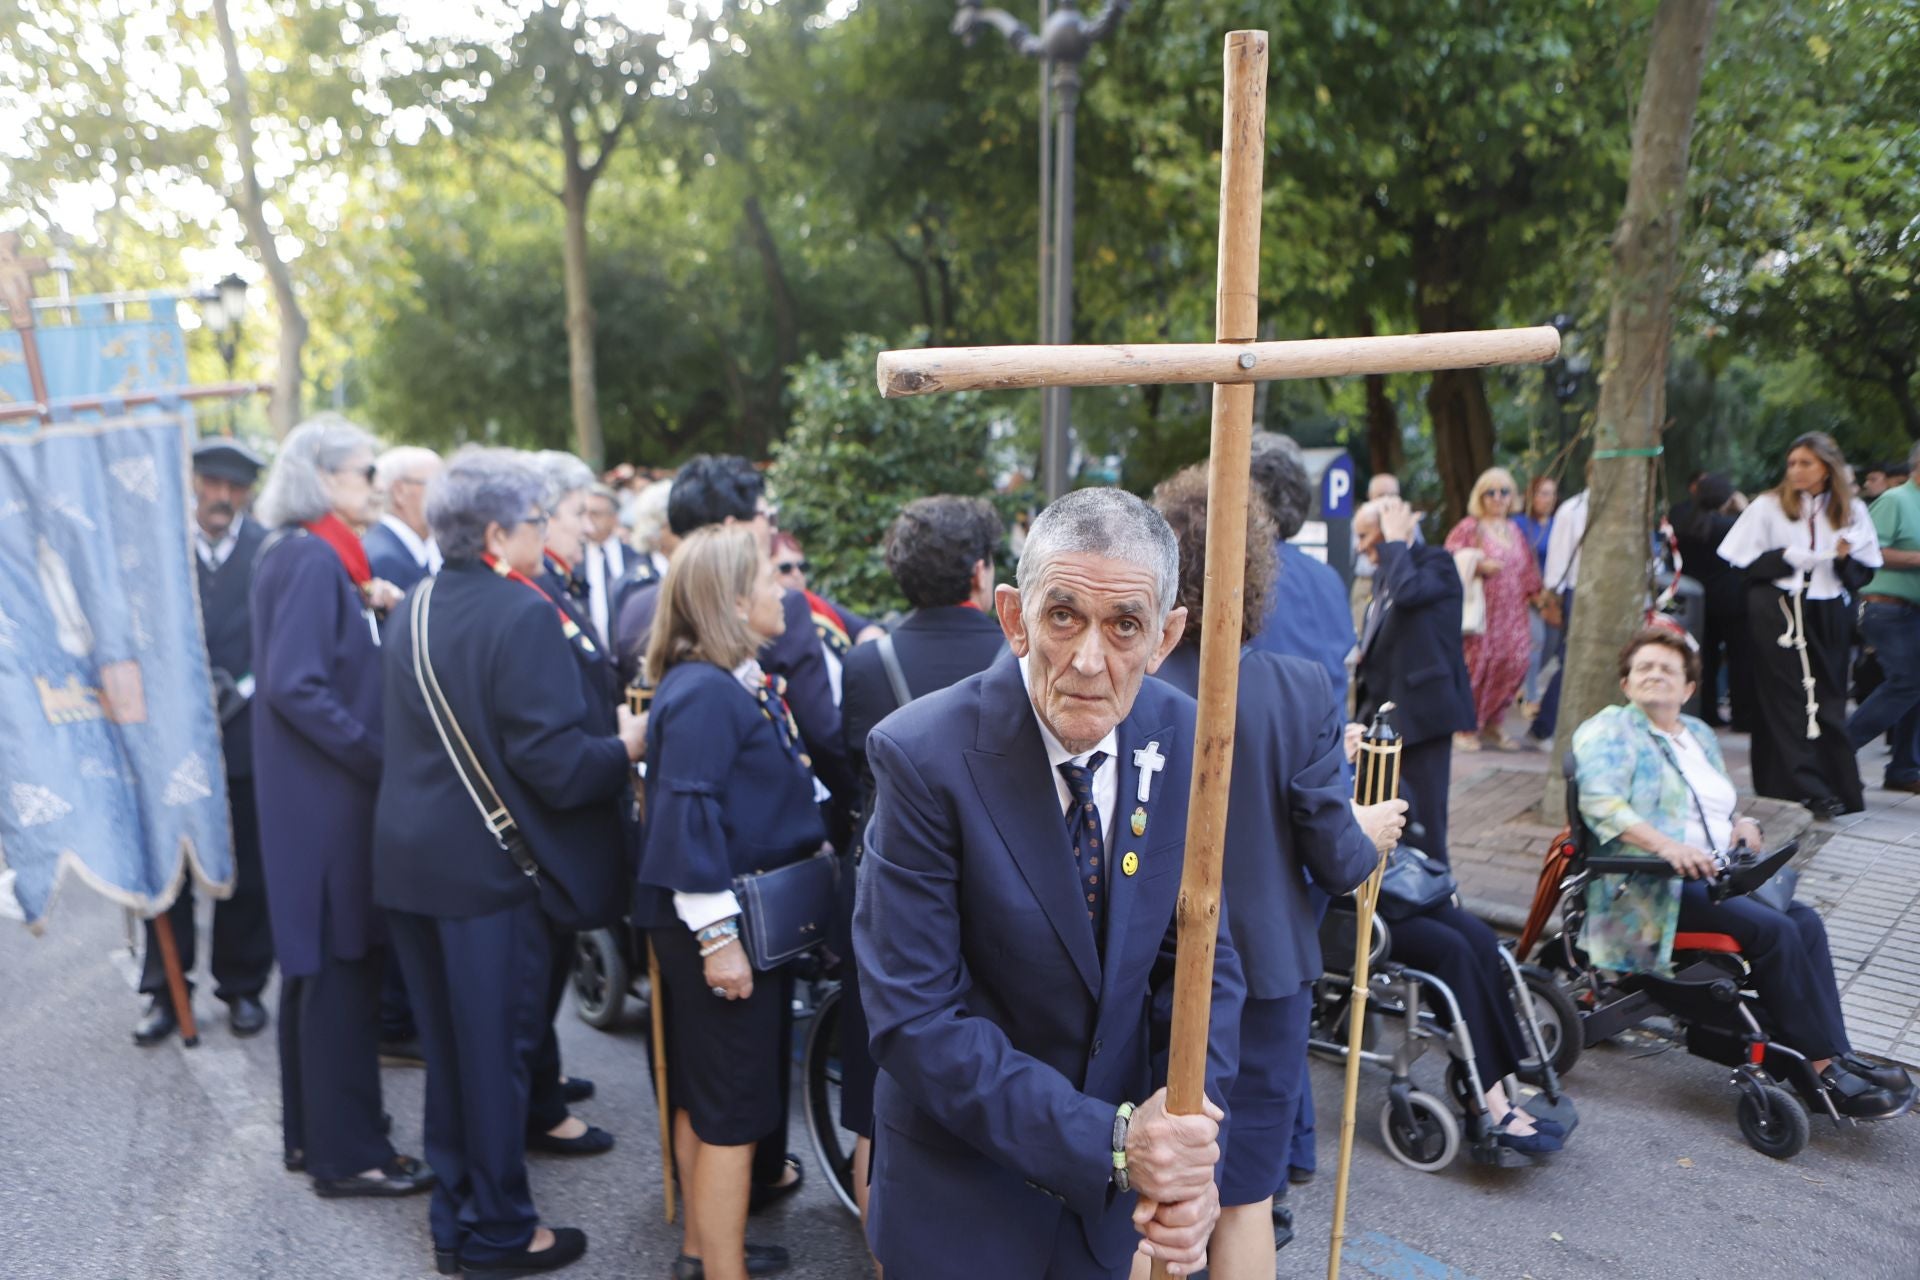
{"x": 1083, "y": 831}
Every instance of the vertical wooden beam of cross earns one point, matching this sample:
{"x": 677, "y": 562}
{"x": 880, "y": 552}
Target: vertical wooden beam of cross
{"x": 1233, "y": 362}
{"x": 16, "y": 291}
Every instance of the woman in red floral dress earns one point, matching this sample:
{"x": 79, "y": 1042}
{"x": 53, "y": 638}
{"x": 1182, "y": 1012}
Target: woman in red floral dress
{"x": 1496, "y": 659}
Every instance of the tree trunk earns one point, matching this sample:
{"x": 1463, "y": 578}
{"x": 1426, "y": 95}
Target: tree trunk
{"x": 1609, "y": 605}
{"x": 786, "y": 324}
{"x": 1385, "y": 450}
{"x": 1456, "y": 398}
{"x": 283, "y": 411}
{"x": 588, "y": 441}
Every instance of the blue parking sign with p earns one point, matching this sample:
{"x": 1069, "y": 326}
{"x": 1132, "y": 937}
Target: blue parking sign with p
{"x": 1336, "y": 489}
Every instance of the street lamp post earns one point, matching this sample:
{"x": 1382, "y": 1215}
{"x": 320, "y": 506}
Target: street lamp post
{"x": 1064, "y": 40}
{"x": 224, "y": 308}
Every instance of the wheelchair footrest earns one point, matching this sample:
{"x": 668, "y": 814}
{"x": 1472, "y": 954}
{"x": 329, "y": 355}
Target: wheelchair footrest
{"x": 1562, "y": 1113}
{"x": 1495, "y": 1156}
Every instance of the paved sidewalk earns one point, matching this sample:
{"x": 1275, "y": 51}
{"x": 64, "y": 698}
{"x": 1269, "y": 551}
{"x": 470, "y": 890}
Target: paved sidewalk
{"x": 1861, "y": 872}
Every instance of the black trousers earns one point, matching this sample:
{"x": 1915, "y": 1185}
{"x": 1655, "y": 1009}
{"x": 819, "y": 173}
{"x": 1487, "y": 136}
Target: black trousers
{"x": 1787, "y": 764}
{"x": 396, "y": 1010}
{"x": 479, "y": 987}
{"x": 547, "y": 1103}
{"x": 1727, "y": 633}
{"x": 1426, "y": 768}
{"x": 330, "y": 1067}
{"x": 1458, "y": 949}
{"x": 1791, "y": 963}
{"x": 242, "y": 933}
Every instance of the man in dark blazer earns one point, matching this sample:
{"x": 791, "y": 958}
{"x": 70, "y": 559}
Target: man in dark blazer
{"x": 1410, "y": 655}
{"x": 400, "y": 548}
{"x": 224, "y": 543}
{"x": 1019, "y": 991}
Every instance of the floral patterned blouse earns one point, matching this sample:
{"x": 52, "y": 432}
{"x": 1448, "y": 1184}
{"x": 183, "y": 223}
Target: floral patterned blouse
{"x": 1625, "y": 777}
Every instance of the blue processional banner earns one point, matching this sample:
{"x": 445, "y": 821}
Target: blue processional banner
{"x": 110, "y": 762}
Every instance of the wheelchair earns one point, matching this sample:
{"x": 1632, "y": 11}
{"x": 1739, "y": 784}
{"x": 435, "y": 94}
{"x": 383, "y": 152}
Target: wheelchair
{"x": 1708, "y": 997}
{"x": 1422, "y": 1131}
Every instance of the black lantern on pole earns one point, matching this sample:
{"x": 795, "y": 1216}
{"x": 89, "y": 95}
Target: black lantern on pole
{"x": 1566, "y": 375}
{"x": 224, "y": 308}
{"x": 1065, "y": 39}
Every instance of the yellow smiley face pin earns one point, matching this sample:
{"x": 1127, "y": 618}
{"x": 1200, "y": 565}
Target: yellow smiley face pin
{"x": 1130, "y": 864}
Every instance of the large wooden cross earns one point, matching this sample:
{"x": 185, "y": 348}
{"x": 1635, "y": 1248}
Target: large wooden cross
{"x": 1233, "y": 363}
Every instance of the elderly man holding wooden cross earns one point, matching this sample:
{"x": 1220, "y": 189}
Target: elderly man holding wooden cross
{"x": 986, "y": 1106}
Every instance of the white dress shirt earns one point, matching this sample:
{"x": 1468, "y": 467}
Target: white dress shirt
{"x": 1714, "y": 789}
{"x": 606, "y": 562}
{"x": 425, "y": 551}
{"x": 1562, "y": 570}
{"x": 1106, "y": 779}
{"x": 215, "y": 554}
{"x": 1764, "y": 527}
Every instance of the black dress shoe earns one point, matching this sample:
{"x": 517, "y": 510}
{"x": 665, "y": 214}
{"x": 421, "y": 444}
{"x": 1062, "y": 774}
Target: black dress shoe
{"x": 404, "y": 1176}
{"x": 568, "y": 1247}
{"x": 1298, "y": 1177}
{"x": 762, "y": 1197}
{"x": 446, "y": 1261}
{"x": 1857, "y": 1097}
{"x": 575, "y": 1089}
{"x": 595, "y": 1141}
{"x": 1885, "y": 1074}
{"x": 762, "y": 1260}
{"x": 295, "y": 1161}
{"x": 247, "y": 1016}
{"x": 402, "y": 1053}
{"x": 157, "y": 1025}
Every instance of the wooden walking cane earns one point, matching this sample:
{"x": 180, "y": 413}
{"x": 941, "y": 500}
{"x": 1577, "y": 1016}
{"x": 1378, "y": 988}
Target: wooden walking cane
{"x": 1375, "y": 781}
{"x": 176, "y": 980}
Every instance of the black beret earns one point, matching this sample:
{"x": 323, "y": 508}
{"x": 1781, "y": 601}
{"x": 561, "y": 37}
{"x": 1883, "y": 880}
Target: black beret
{"x": 227, "y": 460}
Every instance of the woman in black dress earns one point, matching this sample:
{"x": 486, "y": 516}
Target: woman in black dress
{"x": 729, "y": 792}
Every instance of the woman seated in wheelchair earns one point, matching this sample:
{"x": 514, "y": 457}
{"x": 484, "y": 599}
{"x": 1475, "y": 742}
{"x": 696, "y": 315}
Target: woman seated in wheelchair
{"x": 1652, "y": 779}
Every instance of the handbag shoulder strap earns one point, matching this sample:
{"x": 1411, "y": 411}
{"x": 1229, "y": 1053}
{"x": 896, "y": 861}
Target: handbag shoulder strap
{"x": 1699, "y": 809}
{"x": 473, "y": 775}
{"x": 895, "y": 676}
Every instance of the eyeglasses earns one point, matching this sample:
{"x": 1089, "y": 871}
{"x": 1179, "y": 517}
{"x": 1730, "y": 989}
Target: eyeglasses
{"x": 539, "y": 521}
{"x": 1499, "y": 491}
{"x": 785, "y": 567}
{"x": 366, "y": 471}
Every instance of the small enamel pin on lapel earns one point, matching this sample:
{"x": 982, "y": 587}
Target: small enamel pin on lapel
{"x": 1140, "y": 821}
{"x": 1130, "y": 864}
{"x": 1148, "y": 761}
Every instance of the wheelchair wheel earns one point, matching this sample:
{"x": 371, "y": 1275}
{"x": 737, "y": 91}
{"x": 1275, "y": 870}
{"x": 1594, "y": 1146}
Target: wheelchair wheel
{"x": 1772, "y": 1121}
{"x": 1560, "y": 1029}
{"x": 832, "y": 1144}
{"x": 599, "y": 978}
{"x": 1430, "y": 1143}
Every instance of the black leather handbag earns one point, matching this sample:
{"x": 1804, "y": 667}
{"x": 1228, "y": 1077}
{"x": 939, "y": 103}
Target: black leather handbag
{"x": 789, "y": 910}
{"x": 1413, "y": 883}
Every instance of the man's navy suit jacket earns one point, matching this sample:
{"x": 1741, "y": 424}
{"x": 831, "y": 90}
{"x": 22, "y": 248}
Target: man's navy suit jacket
{"x": 1005, "y": 1039}
{"x": 1413, "y": 657}
{"x": 390, "y": 559}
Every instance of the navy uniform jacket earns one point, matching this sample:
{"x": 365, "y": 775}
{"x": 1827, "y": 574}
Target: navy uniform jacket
{"x": 1004, "y": 1042}
{"x": 796, "y": 654}
{"x": 1410, "y": 652}
{"x": 1289, "y": 819}
{"x": 1309, "y": 617}
{"x": 724, "y": 796}
{"x": 515, "y": 688}
{"x": 316, "y": 753}
{"x": 390, "y": 558}
{"x": 228, "y": 620}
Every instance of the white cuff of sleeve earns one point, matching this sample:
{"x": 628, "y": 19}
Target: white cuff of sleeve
{"x": 698, "y": 910}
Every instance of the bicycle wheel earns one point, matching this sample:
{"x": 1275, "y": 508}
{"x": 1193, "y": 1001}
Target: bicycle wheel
{"x": 832, "y": 1143}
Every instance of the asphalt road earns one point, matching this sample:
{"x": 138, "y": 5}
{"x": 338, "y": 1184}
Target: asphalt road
{"x": 121, "y": 1162}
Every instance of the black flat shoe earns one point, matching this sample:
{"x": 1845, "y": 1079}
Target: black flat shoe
{"x": 762, "y": 1260}
{"x": 1856, "y": 1096}
{"x": 446, "y": 1261}
{"x": 595, "y": 1141}
{"x": 402, "y": 1053}
{"x": 404, "y": 1177}
{"x": 765, "y": 1197}
{"x": 294, "y": 1161}
{"x": 576, "y": 1090}
{"x": 1889, "y": 1077}
{"x": 247, "y": 1016}
{"x": 569, "y": 1246}
{"x": 1537, "y": 1143}
{"x": 1298, "y": 1177}
{"x": 157, "y": 1025}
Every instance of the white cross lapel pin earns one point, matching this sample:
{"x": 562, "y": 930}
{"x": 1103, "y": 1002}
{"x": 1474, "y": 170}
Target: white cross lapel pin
{"x": 1148, "y": 761}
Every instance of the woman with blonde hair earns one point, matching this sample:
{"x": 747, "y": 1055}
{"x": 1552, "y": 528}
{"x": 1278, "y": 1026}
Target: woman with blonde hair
{"x": 729, "y": 792}
{"x": 1803, "y": 545}
{"x": 1489, "y": 547}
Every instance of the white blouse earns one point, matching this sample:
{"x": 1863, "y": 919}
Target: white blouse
{"x": 1713, "y": 788}
{"x": 1764, "y": 527}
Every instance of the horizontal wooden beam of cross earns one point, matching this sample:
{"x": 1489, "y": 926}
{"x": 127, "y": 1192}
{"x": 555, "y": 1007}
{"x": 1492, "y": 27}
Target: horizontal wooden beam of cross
{"x": 934, "y": 369}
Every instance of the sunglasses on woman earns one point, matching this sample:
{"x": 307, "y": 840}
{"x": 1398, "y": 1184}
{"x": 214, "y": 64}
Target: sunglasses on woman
{"x": 785, "y": 567}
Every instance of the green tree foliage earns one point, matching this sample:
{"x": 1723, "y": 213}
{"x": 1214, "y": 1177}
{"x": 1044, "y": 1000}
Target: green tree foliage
{"x": 851, "y": 460}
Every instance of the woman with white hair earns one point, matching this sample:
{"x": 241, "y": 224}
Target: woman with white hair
{"x": 317, "y": 755}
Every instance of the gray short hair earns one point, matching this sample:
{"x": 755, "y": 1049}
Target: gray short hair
{"x": 646, "y": 514}
{"x": 1102, "y": 522}
{"x": 1280, "y": 473}
{"x": 563, "y": 474}
{"x": 400, "y": 462}
{"x": 479, "y": 487}
{"x": 296, "y": 492}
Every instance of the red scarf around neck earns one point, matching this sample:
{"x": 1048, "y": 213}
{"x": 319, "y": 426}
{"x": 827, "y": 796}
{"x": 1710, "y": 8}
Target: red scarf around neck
{"x": 333, "y": 531}
{"x": 567, "y": 624}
